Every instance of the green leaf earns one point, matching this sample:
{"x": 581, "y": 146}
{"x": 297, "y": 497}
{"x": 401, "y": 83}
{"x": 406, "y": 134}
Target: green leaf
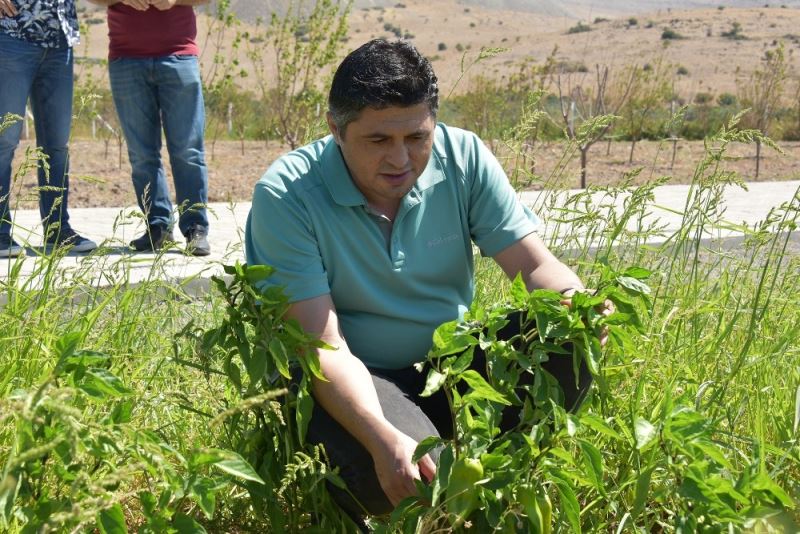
{"x": 305, "y": 407}
{"x": 112, "y": 520}
{"x": 237, "y": 466}
{"x": 257, "y": 366}
{"x": 599, "y": 425}
{"x": 433, "y": 383}
{"x": 481, "y": 387}
{"x": 279, "y": 356}
{"x": 442, "y": 478}
{"x": 122, "y": 411}
{"x": 569, "y": 503}
{"x": 763, "y": 482}
{"x": 447, "y": 339}
{"x": 257, "y": 273}
{"x": 592, "y": 464}
{"x": 519, "y": 293}
{"x": 425, "y": 446}
{"x": 9, "y": 487}
{"x": 186, "y": 525}
{"x": 65, "y": 347}
{"x": 100, "y": 384}
{"x": 639, "y": 273}
{"x": 642, "y": 489}
{"x": 204, "y": 494}
{"x": 644, "y": 431}
{"x": 634, "y": 285}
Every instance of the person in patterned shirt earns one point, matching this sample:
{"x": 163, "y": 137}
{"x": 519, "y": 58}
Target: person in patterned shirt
{"x": 36, "y": 58}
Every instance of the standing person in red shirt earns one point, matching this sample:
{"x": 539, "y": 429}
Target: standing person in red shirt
{"x": 155, "y": 82}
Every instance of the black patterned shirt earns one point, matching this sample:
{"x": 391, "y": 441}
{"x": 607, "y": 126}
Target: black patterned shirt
{"x": 45, "y": 23}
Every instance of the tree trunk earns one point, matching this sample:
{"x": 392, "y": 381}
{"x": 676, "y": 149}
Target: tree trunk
{"x": 758, "y": 157}
{"x": 584, "y": 153}
{"x": 633, "y": 145}
{"x": 674, "y": 153}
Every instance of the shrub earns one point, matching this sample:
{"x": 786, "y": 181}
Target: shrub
{"x": 670, "y": 35}
{"x": 579, "y": 28}
{"x": 703, "y": 98}
{"x": 726, "y": 99}
{"x": 598, "y": 20}
{"x": 633, "y": 21}
{"x": 682, "y": 71}
{"x": 735, "y": 33}
{"x": 441, "y": 47}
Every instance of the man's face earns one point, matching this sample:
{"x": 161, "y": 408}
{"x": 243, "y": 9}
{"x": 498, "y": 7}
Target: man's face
{"x": 386, "y": 150}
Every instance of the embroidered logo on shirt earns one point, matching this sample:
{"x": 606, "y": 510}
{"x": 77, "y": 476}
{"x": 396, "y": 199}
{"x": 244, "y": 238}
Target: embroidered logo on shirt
{"x": 442, "y": 240}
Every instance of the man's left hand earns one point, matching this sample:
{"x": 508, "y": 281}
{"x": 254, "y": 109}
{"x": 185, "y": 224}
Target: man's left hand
{"x": 605, "y": 309}
{"x": 163, "y": 5}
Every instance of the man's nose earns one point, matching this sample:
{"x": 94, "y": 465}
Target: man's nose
{"x": 398, "y": 155}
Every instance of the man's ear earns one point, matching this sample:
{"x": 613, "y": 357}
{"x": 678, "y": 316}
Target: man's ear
{"x": 333, "y": 128}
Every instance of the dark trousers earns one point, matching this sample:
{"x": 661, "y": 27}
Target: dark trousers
{"x": 418, "y": 417}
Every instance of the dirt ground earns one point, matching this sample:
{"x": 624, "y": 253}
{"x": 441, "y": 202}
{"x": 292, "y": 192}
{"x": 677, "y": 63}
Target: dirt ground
{"x": 101, "y": 174}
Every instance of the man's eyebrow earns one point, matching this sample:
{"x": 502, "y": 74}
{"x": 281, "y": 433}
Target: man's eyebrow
{"x": 382, "y": 135}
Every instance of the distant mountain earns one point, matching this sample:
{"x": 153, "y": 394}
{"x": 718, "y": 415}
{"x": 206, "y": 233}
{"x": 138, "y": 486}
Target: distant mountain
{"x": 576, "y": 9}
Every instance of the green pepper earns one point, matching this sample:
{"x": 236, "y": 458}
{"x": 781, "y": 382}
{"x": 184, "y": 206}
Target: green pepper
{"x": 536, "y": 503}
{"x": 462, "y": 489}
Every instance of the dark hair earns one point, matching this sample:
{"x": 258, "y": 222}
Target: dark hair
{"x": 379, "y": 74}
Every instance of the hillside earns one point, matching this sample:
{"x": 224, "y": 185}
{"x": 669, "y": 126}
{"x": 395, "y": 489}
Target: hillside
{"x": 448, "y": 29}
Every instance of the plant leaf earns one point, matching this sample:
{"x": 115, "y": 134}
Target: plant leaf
{"x": 644, "y": 431}
{"x": 237, "y": 466}
{"x": 433, "y": 383}
{"x": 481, "y": 387}
{"x": 112, "y": 520}
{"x": 592, "y": 464}
{"x": 186, "y": 525}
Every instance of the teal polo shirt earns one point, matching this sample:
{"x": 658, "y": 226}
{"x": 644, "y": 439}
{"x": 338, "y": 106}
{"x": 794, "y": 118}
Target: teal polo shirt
{"x": 391, "y": 290}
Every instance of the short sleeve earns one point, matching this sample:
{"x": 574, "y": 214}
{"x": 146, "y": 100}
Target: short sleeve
{"x": 279, "y": 234}
{"x": 497, "y": 218}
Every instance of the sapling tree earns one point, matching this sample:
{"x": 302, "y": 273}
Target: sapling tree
{"x": 588, "y": 110}
{"x": 762, "y": 94}
{"x": 304, "y": 45}
{"x": 650, "y": 89}
{"x": 218, "y": 79}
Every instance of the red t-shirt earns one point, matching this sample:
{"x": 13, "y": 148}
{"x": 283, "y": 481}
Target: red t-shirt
{"x": 152, "y": 33}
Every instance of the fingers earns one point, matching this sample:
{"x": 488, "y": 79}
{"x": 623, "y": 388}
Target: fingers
{"x": 427, "y": 468}
{"x": 141, "y": 5}
{"x": 7, "y": 8}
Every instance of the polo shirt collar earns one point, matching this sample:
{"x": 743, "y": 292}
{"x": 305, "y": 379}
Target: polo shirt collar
{"x": 344, "y": 191}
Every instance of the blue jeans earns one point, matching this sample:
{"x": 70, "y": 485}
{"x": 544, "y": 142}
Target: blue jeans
{"x": 166, "y": 91}
{"x": 44, "y": 74}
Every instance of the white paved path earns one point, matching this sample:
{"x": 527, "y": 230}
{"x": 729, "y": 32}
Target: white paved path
{"x": 113, "y": 228}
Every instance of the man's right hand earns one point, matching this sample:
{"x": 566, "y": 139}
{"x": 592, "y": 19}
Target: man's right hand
{"x": 141, "y": 5}
{"x": 7, "y": 9}
{"x": 394, "y": 467}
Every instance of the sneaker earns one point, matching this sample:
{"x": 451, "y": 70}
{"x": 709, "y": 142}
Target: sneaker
{"x": 154, "y": 238}
{"x": 197, "y": 240}
{"x": 67, "y": 237}
{"x": 9, "y": 248}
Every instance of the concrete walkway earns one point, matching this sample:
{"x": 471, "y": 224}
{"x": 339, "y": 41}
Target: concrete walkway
{"x": 113, "y": 228}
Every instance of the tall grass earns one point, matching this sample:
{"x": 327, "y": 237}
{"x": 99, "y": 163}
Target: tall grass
{"x": 111, "y": 413}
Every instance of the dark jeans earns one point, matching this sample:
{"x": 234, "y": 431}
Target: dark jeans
{"x": 155, "y": 93}
{"x": 45, "y": 76}
{"x": 418, "y": 417}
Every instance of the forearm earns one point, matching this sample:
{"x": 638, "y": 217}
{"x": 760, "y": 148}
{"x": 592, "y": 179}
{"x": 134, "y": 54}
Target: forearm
{"x": 552, "y": 274}
{"x": 349, "y": 396}
{"x": 539, "y": 268}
